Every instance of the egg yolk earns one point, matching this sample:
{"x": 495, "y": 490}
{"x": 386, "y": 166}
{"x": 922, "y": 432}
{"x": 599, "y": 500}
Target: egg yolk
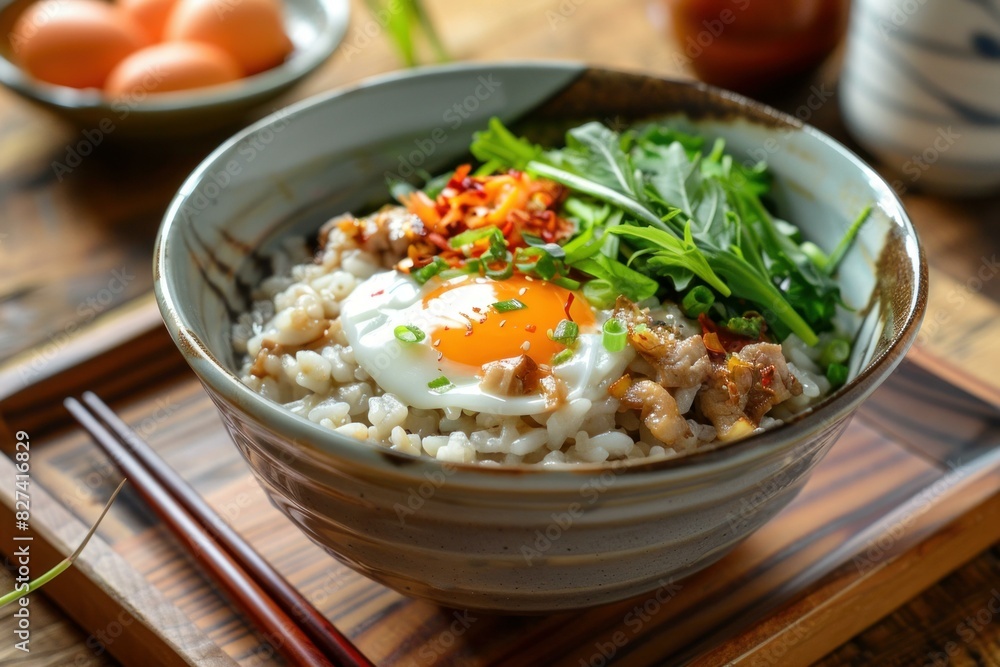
{"x": 473, "y": 329}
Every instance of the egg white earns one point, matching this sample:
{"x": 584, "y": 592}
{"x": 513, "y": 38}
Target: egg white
{"x": 386, "y": 300}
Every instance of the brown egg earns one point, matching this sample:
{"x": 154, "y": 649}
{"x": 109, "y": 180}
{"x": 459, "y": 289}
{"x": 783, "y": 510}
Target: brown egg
{"x": 171, "y": 66}
{"x": 73, "y": 42}
{"x": 251, "y": 31}
{"x": 150, "y": 15}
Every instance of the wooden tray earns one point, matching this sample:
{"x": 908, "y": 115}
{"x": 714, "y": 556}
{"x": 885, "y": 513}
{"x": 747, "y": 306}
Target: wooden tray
{"x": 895, "y": 506}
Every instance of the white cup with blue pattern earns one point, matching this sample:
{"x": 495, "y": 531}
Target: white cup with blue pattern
{"x": 921, "y": 90}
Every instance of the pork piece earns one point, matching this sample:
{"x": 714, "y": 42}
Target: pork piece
{"x": 520, "y": 376}
{"x": 773, "y": 384}
{"x": 679, "y": 363}
{"x": 744, "y": 387}
{"x": 631, "y": 314}
{"x": 388, "y": 230}
{"x": 658, "y": 410}
{"x": 516, "y": 376}
{"x": 724, "y": 399}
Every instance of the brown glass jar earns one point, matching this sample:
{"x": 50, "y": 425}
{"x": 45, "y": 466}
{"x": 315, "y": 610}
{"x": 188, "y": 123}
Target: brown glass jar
{"x": 753, "y": 45}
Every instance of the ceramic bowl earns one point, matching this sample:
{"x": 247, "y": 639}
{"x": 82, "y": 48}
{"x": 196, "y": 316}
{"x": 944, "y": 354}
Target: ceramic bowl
{"x": 511, "y": 539}
{"x": 919, "y": 90}
{"x": 315, "y": 27}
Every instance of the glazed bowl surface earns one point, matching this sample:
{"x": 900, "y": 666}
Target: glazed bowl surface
{"x": 315, "y": 28}
{"x": 512, "y": 539}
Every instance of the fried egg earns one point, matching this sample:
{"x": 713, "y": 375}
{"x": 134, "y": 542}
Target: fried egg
{"x": 464, "y": 328}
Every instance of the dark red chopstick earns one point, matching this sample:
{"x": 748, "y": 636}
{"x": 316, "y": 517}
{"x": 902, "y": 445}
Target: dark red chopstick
{"x": 288, "y": 621}
{"x": 314, "y": 624}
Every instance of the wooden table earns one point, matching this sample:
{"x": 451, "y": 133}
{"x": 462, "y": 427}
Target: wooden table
{"x": 76, "y": 246}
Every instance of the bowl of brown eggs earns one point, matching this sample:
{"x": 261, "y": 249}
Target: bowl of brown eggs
{"x": 163, "y": 68}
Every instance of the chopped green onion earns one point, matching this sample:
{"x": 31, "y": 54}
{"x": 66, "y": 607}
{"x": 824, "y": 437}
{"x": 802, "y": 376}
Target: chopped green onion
{"x": 468, "y": 267}
{"x": 407, "y": 333}
{"x": 615, "y": 334}
{"x": 498, "y": 247}
{"x": 508, "y": 305}
{"x": 642, "y": 327}
{"x": 566, "y": 283}
{"x": 502, "y": 273}
{"x": 748, "y": 327}
{"x": 697, "y": 301}
{"x": 562, "y": 357}
{"x": 535, "y": 260}
{"x": 440, "y": 385}
{"x": 471, "y": 236}
{"x": 836, "y": 374}
{"x": 837, "y": 352}
{"x": 425, "y": 273}
{"x": 565, "y": 333}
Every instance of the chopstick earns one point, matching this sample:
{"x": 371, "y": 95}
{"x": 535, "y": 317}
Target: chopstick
{"x": 271, "y": 603}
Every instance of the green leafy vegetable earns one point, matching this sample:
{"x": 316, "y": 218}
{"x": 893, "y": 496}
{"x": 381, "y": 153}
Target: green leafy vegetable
{"x": 612, "y": 278}
{"x": 845, "y": 243}
{"x": 655, "y": 208}
{"x": 673, "y": 252}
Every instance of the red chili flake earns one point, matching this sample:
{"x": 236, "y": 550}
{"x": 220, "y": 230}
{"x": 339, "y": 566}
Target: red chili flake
{"x": 767, "y": 376}
{"x": 438, "y": 240}
{"x": 381, "y": 291}
{"x": 569, "y": 302}
{"x": 530, "y": 328}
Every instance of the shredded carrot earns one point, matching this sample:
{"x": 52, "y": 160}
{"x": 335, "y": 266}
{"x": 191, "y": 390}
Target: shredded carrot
{"x": 513, "y": 202}
{"x": 421, "y": 205}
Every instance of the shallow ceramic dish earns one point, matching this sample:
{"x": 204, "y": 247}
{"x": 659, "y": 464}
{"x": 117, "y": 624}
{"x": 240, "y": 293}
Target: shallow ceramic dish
{"x": 511, "y": 539}
{"x": 315, "y": 27}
